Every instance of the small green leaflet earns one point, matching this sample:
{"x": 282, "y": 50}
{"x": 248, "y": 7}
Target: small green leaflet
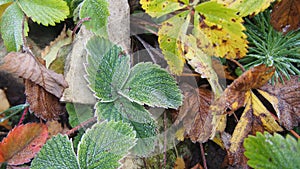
{"x": 46, "y": 12}
{"x": 101, "y": 147}
{"x": 52, "y": 156}
{"x": 97, "y": 11}
{"x": 272, "y": 152}
{"x": 137, "y": 116}
{"x": 107, "y": 69}
{"x": 11, "y": 27}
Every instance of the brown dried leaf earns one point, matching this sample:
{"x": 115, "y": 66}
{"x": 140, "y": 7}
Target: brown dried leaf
{"x": 42, "y": 103}
{"x": 285, "y": 15}
{"x": 179, "y": 163}
{"x": 233, "y": 97}
{"x": 28, "y": 67}
{"x": 285, "y": 99}
{"x": 194, "y": 113}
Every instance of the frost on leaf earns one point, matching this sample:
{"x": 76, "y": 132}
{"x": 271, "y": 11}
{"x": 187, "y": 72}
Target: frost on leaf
{"x": 23, "y": 143}
{"x": 285, "y": 15}
{"x": 28, "y": 67}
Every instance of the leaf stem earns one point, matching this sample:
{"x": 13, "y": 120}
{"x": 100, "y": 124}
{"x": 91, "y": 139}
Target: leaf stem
{"x": 203, "y": 156}
{"x": 23, "y": 115}
{"x": 81, "y": 125}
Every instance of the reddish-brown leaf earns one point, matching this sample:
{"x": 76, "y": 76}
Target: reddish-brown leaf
{"x": 28, "y": 67}
{"x": 194, "y": 113}
{"x": 43, "y": 104}
{"x": 23, "y": 143}
{"x": 285, "y": 15}
{"x": 285, "y": 99}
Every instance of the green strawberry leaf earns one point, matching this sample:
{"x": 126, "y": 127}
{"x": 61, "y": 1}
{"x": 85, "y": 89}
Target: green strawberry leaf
{"x": 57, "y": 153}
{"x": 97, "y": 11}
{"x": 107, "y": 68}
{"x": 11, "y": 27}
{"x": 45, "y": 12}
{"x": 105, "y": 144}
{"x": 271, "y": 152}
{"x": 145, "y": 128}
{"x": 149, "y": 84}
{"x": 78, "y": 113}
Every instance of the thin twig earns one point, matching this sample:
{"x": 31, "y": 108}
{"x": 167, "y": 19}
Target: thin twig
{"x": 81, "y": 125}
{"x": 79, "y": 24}
{"x": 203, "y": 156}
{"x": 238, "y": 64}
{"x": 295, "y": 134}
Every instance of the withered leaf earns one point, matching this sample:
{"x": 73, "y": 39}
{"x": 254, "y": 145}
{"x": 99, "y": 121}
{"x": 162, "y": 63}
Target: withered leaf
{"x": 285, "y": 15}
{"x": 285, "y": 99}
{"x": 28, "y": 67}
{"x": 233, "y": 97}
{"x": 44, "y": 104}
{"x": 194, "y": 113}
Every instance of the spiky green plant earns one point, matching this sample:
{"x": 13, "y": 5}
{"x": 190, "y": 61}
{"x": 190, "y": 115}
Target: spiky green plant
{"x": 272, "y": 48}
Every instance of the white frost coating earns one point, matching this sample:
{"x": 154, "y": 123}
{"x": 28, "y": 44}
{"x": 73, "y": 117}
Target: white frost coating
{"x": 118, "y": 33}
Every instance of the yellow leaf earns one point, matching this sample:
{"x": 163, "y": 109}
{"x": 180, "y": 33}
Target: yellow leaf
{"x": 3, "y": 7}
{"x": 247, "y": 7}
{"x": 265, "y": 116}
{"x": 179, "y": 164}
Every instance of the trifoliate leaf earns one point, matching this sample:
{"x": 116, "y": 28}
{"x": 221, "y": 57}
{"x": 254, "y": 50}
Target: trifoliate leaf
{"x": 224, "y": 28}
{"x": 149, "y": 84}
{"x": 272, "y": 152}
{"x": 105, "y": 144}
{"x": 145, "y": 128}
{"x": 247, "y": 7}
{"x": 57, "y": 153}
{"x": 98, "y": 11}
{"x": 170, "y": 38}
{"x": 158, "y": 8}
{"x": 45, "y": 12}
{"x": 11, "y": 27}
{"x": 107, "y": 68}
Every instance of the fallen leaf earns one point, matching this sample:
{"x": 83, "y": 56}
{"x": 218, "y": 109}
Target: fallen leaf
{"x": 28, "y": 67}
{"x": 43, "y": 104}
{"x": 179, "y": 163}
{"x": 285, "y": 99}
{"x": 4, "y": 104}
{"x": 194, "y": 113}
{"x": 54, "y": 128}
{"x": 285, "y": 15}
{"x": 23, "y": 143}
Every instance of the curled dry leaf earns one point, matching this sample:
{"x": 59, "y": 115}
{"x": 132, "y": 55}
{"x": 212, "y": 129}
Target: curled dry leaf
{"x": 23, "y": 143}
{"x": 285, "y": 15}
{"x": 285, "y": 99}
{"x": 42, "y": 103}
{"x": 28, "y": 67}
{"x": 194, "y": 113}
